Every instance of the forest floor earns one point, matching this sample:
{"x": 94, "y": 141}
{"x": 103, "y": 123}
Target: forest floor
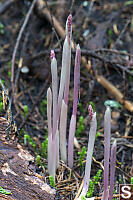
{"x": 104, "y": 30}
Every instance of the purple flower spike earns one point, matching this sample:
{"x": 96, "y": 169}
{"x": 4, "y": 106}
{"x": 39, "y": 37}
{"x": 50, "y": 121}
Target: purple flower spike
{"x": 52, "y": 54}
{"x": 91, "y": 113}
{"x": 69, "y": 23}
{"x": 69, "y": 28}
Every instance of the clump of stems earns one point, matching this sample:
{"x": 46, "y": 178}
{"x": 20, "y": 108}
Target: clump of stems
{"x": 57, "y": 104}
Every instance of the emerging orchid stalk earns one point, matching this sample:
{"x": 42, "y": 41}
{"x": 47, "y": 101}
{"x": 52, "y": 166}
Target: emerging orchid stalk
{"x": 92, "y": 134}
{"x": 112, "y": 169}
{"x": 67, "y": 63}
{"x": 53, "y": 149}
{"x": 107, "y": 130}
{"x": 75, "y": 100}
{"x": 108, "y": 194}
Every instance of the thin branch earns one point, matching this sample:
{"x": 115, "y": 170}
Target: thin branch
{"x": 21, "y": 60}
{"x": 112, "y": 63}
{"x": 122, "y": 32}
{"x": 18, "y": 41}
{"x": 114, "y": 51}
{"x": 88, "y": 53}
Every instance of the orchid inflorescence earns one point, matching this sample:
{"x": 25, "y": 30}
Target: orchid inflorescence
{"x": 91, "y": 113}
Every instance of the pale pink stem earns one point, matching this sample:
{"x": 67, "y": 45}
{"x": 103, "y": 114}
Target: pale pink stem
{"x": 54, "y": 90}
{"x": 112, "y": 169}
{"x": 57, "y": 148}
{"x": 65, "y": 58}
{"x": 55, "y": 135}
{"x": 76, "y": 79}
{"x": 66, "y": 92}
{"x": 71, "y": 140}
{"x": 69, "y": 28}
{"x": 67, "y": 63}
{"x": 68, "y": 35}
{"x": 51, "y": 143}
{"x": 52, "y": 156}
{"x": 107, "y": 130}
{"x": 92, "y": 134}
{"x": 49, "y": 108}
{"x": 63, "y": 118}
{"x": 75, "y": 100}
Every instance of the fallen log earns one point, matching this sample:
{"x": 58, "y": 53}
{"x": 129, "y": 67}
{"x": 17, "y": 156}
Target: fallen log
{"x": 16, "y": 174}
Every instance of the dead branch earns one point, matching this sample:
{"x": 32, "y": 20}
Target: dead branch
{"x": 17, "y": 44}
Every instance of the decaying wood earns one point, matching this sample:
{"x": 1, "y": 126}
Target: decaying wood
{"x": 16, "y": 174}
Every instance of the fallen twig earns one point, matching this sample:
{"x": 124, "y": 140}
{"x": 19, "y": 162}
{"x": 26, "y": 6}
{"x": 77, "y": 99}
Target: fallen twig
{"x": 114, "y": 51}
{"x": 21, "y": 61}
{"x": 112, "y": 63}
{"x": 17, "y": 45}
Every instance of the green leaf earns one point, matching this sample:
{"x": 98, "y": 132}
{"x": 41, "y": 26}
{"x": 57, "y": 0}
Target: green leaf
{"x": 82, "y": 155}
{"x": 38, "y": 159}
{"x": 3, "y": 191}
{"x": 132, "y": 180}
{"x": 83, "y": 197}
{"x": 52, "y": 182}
{"x": 43, "y": 107}
{"x": 112, "y": 104}
{"x": 92, "y": 105}
{"x": 44, "y": 147}
{"x": 128, "y": 3}
{"x": 1, "y": 29}
{"x": 25, "y": 110}
{"x": 1, "y": 106}
{"x": 30, "y": 140}
{"x": 97, "y": 134}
